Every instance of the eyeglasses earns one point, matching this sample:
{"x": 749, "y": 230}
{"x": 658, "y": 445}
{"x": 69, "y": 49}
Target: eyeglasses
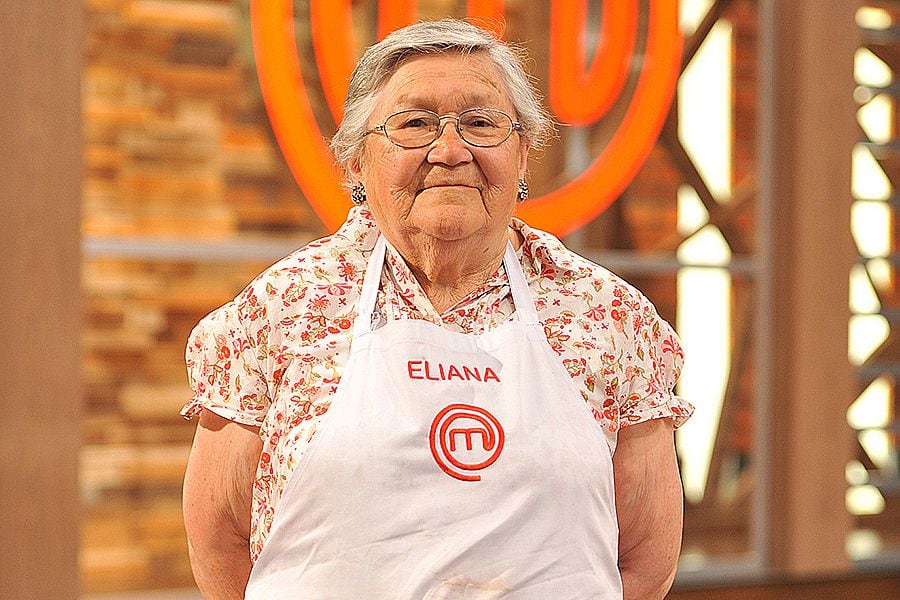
{"x": 417, "y": 128}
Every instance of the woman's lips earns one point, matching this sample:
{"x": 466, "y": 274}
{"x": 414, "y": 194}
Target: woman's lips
{"x": 447, "y": 185}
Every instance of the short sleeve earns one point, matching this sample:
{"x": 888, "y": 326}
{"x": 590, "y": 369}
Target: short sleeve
{"x": 224, "y": 369}
{"x": 651, "y": 365}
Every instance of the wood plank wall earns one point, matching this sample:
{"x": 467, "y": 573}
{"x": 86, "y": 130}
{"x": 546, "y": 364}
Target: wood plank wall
{"x": 177, "y": 154}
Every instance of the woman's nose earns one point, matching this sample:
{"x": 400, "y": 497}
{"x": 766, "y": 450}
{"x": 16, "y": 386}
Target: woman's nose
{"x": 449, "y": 148}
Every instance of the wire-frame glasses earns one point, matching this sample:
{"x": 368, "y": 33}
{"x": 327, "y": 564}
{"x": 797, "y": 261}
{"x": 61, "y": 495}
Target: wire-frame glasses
{"x": 417, "y": 128}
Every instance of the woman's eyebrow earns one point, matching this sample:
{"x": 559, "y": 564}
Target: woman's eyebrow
{"x": 467, "y": 101}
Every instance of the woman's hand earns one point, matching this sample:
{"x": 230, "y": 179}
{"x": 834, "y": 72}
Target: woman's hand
{"x": 218, "y": 487}
{"x": 649, "y": 504}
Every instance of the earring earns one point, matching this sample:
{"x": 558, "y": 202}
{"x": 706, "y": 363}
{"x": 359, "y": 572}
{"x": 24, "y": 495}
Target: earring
{"x": 358, "y": 193}
{"x": 523, "y": 191}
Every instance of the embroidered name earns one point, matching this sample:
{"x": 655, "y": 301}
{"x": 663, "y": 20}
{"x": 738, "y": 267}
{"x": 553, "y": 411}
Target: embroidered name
{"x": 422, "y": 369}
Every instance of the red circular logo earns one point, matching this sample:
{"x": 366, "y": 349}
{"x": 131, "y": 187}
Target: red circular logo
{"x": 465, "y": 438}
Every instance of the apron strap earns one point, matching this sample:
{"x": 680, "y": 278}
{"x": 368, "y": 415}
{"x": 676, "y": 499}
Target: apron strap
{"x": 369, "y": 294}
{"x": 521, "y": 295}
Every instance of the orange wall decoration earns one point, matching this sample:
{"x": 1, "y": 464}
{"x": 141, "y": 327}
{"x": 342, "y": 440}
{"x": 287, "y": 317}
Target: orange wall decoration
{"x": 580, "y": 94}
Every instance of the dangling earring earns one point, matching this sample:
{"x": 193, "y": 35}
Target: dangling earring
{"x": 522, "y": 196}
{"x": 358, "y": 193}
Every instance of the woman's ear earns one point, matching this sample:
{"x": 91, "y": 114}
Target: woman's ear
{"x": 524, "y": 147}
{"x": 354, "y": 168}
{"x": 356, "y": 165}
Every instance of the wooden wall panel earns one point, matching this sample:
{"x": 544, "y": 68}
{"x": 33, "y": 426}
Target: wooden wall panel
{"x": 808, "y": 134}
{"x": 40, "y": 171}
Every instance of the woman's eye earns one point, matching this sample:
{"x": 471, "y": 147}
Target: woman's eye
{"x": 415, "y": 123}
{"x": 478, "y": 121}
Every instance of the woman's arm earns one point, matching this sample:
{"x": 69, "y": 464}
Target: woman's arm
{"x": 218, "y": 487}
{"x": 649, "y": 508}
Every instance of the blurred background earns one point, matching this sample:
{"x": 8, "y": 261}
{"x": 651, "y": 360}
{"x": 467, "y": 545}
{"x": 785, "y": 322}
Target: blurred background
{"x": 143, "y": 185}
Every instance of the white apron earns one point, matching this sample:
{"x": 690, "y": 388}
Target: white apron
{"x": 448, "y": 466}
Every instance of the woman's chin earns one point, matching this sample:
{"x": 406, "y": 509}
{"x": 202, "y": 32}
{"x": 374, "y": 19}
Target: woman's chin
{"x": 451, "y": 225}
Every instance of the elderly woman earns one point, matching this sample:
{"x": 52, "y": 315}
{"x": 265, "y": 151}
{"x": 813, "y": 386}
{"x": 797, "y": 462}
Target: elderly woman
{"x": 437, "y": 401}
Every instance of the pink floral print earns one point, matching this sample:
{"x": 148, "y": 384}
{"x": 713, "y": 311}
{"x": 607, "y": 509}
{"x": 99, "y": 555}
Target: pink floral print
{"x": 273, "y": 357}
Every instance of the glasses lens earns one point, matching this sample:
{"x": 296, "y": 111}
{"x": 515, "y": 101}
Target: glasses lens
{"x": 412, "y": 128}
{"x": 478, "y": 127}
{"x": 485, "y": 126}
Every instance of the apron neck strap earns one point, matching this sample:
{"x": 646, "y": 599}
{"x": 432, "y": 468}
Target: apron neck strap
{"x": 519, "y": 287}
{"x": 366, "y": 313}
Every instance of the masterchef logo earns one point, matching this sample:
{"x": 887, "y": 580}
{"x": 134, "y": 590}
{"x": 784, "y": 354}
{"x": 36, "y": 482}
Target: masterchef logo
{"x": 582, "y": 90}
{"x": 465, "y": 439}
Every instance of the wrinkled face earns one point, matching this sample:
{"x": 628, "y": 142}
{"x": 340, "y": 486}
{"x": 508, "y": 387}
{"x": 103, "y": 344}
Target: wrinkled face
{"x": 449, "y": 189}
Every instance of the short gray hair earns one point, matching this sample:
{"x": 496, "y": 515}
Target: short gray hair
{"x": 380, "y": 61}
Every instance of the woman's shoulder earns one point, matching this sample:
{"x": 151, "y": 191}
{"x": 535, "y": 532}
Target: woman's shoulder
{"x": 561, "y": 269}
{"x": 331, "y": 266}
{"x": 588, "y": 310}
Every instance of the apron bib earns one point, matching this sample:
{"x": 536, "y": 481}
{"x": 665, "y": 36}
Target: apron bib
{"x": 448, "y": 466}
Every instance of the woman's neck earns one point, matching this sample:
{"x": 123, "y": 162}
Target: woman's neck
{"x": 448, "y": 271}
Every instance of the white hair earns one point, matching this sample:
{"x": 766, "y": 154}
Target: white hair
{"x": 380, "y": 61}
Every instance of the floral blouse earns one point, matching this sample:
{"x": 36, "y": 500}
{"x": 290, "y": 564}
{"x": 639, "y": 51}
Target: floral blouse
{"x": 273, "y": 356}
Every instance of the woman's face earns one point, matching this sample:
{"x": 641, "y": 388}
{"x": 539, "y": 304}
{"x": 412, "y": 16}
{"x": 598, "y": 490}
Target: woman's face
{"x": 447, "y": 190}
